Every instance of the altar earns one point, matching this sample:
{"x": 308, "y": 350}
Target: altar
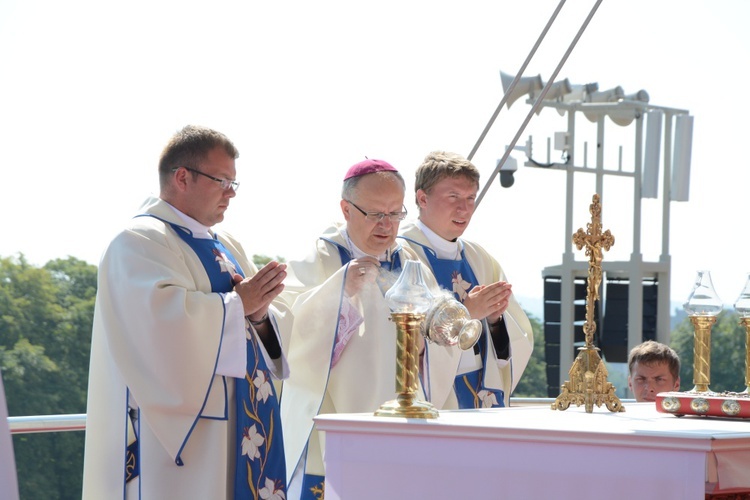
{"x": 536, "y": 452}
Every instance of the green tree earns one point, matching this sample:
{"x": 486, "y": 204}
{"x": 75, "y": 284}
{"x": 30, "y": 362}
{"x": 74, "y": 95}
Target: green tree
{"x": 533, "y": 383}
{"x": 45, "y": 337}
{"x": 727, "y": 353}
{"x": 262, "y": 260}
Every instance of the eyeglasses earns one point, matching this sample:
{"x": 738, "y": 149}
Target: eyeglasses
{"x": 224, "y": 183}
{"x": 379, "y": 216}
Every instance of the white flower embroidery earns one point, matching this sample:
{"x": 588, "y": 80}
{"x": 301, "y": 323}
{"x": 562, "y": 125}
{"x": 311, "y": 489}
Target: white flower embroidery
{"x": 460, "y": 286}
{"x": 270, "y": 492}
{"x": 264, "y": 387}
{"x": 226, "y": 265}
{"x": 251, "y": 441}
{"x": 488, "y": 398}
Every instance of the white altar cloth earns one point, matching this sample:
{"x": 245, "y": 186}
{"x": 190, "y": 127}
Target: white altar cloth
{"x": 536, "y": 452}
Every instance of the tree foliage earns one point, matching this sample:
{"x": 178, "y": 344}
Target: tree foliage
{"x": 533, "y": 382}
{"x": 261, "y": 260}
{"x": 45, "y": 338}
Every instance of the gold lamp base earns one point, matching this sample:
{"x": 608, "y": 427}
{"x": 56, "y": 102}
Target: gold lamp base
{"x": 407, "y": 406}
{"x": 745, "y": 321}
{"x": 702, "y": 352}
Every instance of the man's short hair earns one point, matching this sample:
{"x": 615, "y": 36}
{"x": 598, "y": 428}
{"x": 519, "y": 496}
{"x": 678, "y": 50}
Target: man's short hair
{"x": 651, "y": 352}
{"x": 190, "y": 146}
{"x": 441, "y": 164}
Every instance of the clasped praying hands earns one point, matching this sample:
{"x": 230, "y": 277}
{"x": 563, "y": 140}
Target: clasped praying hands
{"x": 489, "y": 301}
{"x": 258, "y": 291}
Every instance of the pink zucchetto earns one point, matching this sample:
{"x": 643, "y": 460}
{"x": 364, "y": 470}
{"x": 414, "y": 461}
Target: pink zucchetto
{"x": 367, "y": 167}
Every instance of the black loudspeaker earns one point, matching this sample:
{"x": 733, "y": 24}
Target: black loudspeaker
{"x": 614, "y": 330}
{"x": 552, "y": 326}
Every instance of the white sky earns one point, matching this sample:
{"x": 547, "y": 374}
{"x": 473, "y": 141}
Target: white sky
{"x": 90, "y": 91}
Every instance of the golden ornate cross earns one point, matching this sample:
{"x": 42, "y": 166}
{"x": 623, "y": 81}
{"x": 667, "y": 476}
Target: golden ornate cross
{"x": 595, "y": 241}
{"x": 588, "y": 383}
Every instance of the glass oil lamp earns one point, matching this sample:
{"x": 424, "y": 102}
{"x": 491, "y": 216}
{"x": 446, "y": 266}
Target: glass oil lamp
{"x": 742, "y": 306}
{"x": 409, "y": 299}
{"x": 702, "y": 306}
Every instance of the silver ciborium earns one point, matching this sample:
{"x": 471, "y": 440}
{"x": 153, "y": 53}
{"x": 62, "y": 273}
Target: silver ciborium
{"x": 448, "y": 323}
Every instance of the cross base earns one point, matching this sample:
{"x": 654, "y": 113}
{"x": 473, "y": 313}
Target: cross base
{"x": 588, "y": 384}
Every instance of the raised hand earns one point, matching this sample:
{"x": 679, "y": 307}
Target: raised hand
{"x": 489, "y": 301}
{"x": 258, "y": 291}
{"x": 361, "y": 271}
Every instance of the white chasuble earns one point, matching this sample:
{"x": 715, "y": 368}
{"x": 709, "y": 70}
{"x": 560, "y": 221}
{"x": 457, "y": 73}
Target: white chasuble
{"x": 156, "y": 338}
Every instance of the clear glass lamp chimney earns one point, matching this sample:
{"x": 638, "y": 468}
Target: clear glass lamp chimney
{"x": 410, "y": 293}
{"x": 742, "y": 305}
{"x": 703, "y": 299}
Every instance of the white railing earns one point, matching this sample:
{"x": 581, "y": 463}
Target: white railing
{"x": 77, "y": 422}
{"x": 47, "y": 423}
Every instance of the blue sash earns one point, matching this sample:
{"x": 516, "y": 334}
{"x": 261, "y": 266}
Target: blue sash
{"x": 313, "y": 487}
{"x": 458, "y": 277}
{"x": 260, "y": 463}
{"x": 132, "y": 453}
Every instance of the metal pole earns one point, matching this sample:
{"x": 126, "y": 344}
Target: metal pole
{"x": 538, "y": 102}
{"x": 515, "y": 80}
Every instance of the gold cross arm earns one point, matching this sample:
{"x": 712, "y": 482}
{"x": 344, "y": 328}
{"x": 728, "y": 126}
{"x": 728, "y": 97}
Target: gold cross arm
{"x": 595, "y": 241}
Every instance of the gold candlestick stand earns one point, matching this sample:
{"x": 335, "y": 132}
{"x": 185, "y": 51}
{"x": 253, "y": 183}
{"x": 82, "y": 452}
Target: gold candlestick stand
{"x": 405, "y": 405}
{"x": 745, "y": 321}
{"x": 588, "y": 383}
{"x": 702, "y": 352}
